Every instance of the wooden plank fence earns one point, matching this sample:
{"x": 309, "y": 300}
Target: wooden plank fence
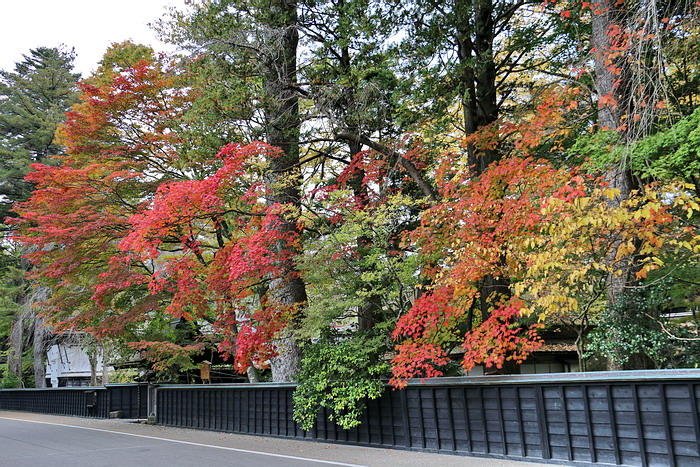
{"x": 645, "y": 418}
{"x": 93, "y": 402}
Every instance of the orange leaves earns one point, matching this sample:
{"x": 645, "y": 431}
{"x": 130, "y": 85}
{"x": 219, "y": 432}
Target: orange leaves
{"x": 129, "y": 118}
{"x": 607, "y": 101}
{"x": 166, "y": 355}
{"x": 553, "y": 234}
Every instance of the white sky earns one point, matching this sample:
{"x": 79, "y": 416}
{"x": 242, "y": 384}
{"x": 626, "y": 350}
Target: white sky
{"x": 89, "y": 26}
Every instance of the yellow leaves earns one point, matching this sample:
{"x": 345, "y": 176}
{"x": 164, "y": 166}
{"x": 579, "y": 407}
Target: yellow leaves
{"x": 610, "y": 193}
{"x": 651, "y": 247}
{"x": 647, "y": 211}
{"x": 691, "y": 245}
{"x": 625, "y": 249}
{"x": 584, "y": 240}
{"x": 620, "y": 216}
{"x": 691, "y": 206}
{"x": 525, "y": 311}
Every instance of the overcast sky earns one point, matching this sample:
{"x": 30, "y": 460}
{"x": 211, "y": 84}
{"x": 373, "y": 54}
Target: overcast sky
{"x": 89, "y": 26}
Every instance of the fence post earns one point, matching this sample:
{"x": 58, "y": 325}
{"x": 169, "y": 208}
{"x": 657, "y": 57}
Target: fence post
{"x": 152, "y": 404}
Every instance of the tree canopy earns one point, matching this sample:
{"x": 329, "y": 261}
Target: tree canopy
{"x": 350, "y": 191}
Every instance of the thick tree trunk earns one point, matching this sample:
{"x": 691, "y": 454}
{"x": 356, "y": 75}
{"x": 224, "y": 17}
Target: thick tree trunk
{"x": 479, "y": 95}
{"x": 16, "y": 345}
{"x": 253, "y": 374}
{"x": 92, "y": 360}
{"x": 42, "y": 335}
{"x": 475, "y": 37}
{"x": 611, "y": 117}
{"x": 282, "y": 128}
{"x": 287, "y": 364}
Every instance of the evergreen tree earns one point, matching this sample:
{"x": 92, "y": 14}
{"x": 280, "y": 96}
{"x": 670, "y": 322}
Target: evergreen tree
{"x": 33, "y": 101}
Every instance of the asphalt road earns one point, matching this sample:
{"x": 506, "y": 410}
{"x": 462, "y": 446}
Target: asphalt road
{"x": 44, "y": 440}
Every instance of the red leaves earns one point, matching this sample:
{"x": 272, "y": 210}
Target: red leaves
{"x": 254, "y": 341}
{"x": 500, "y": 339}
{"x": 372, "y": 169}
{"x": 416, "y": 360}
{"x": 227, "y": 244}
{"x": 429, "y": 314}
{"x": 173, "y": 215}
{"x": 607, "y": 101}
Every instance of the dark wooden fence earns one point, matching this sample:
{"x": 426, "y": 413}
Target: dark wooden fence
{"x": 627, "y": 418}
{"x": 96, "y": 402}
{"x": 130, "y": 399}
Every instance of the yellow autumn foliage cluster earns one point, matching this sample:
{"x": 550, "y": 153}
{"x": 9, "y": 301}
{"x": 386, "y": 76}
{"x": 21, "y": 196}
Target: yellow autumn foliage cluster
{"x": 583, "y": 242}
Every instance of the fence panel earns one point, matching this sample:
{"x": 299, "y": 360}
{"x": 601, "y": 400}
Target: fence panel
{"x": 130, "y": 399}
{"x": 93, "y": 402}
{"x": 79, "y": 402}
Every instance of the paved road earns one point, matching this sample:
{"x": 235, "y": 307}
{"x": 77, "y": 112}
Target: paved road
{"x": 44, "y": 440}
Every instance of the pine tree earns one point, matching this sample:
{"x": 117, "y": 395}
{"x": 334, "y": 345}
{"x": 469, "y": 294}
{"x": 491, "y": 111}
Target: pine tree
{"x": 33, "y": 101}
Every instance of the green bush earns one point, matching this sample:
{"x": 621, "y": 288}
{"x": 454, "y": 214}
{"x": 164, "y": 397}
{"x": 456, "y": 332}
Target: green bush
{"x": 340, "y": 373}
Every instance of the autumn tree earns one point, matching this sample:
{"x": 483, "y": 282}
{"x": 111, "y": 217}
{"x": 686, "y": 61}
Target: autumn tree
{"x": 261, "y": 39}
{"x": 628, "y": 47}
{"x": 33, "y": 99}
{"x": 121, "y": 143}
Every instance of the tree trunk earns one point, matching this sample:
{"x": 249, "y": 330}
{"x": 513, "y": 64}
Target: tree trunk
{"x": 42, "y": 335}
{"x": 478, "y": 81}
{"x": 253, "y": 374}
{"x": 475, "y": 37}
{"x": 92, "y": 360}
{"x": 283, "y": 180}
{"x": 287, "y": 364}
{"x": 105, "y": 367}
{"x": 14, "y": 356}
{"x": 610, "y": 117}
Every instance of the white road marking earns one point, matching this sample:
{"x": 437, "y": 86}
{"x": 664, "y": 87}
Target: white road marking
{"x": 248, "y": 451}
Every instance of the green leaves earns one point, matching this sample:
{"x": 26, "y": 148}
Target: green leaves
{"x": 340, "y": 372}
{"x": 672, "y": 153}
{"x": 33, "y": 102}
